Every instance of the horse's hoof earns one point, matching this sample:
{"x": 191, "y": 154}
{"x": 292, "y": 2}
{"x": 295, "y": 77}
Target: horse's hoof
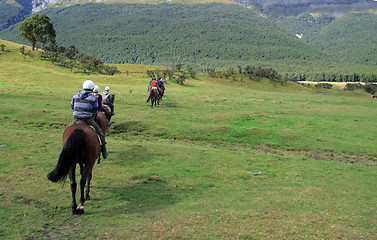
{"x": 78, "y": 211}
{"x": 87, "y": 198}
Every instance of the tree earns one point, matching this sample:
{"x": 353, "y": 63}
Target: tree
{"x": 37, "y": 29}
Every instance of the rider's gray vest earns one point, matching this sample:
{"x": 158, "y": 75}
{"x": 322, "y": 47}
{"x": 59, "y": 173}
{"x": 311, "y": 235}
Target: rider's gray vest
{"x": 84, "y": 105}
{"x": 106, "y": 97}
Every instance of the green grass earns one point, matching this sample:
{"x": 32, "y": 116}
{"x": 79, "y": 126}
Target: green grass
{"x": 184, "y": 170}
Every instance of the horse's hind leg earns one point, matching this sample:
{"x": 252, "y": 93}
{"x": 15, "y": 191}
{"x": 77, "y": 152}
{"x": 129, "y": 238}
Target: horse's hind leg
{"x": 87, "y": 197}
{"x": 72, "y": 177}
{"x": 84, "y": 178}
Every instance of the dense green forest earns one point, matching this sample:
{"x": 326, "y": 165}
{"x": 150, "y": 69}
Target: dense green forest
{"x": 10, "y": 15}
{"x": 351, "y": 38}
{"x": 305, "y": 24}
{"x": 207, "y": 34}
{"x": 203, "y": 35}
{"x": 218, "y": 36}
{"x": 341, "y": 38}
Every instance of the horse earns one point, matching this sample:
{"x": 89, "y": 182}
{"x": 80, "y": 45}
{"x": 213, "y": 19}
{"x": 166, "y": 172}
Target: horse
{"x": 161, "y": 95}
{"x": 103, "y": 123}
{"x": 107, "y": 112}
{"x": 154, "y": 97}
{"x": 81, "y": 145}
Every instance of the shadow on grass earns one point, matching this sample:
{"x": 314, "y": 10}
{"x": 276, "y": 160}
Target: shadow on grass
{"x": 124, "y": 127}
{"x": 150, "y": 194}
{"x": 133, "y": 155}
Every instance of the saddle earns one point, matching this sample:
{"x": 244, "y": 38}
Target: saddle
{"x": 81, "y": 122}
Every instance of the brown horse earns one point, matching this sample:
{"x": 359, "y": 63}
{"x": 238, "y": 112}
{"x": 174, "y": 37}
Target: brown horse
{"x": 81, "y": 145}
{"x": 103, "y": 123}
{"x": 107, "y": 111}
{"x": 153, "y": 96}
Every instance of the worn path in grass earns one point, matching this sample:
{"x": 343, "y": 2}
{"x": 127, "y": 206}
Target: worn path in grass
{"x": 217, "y": 159}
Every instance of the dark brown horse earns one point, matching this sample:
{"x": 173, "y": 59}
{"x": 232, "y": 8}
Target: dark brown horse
{"x": 103, "y": 123}
{"x": 81, "y": 145}
{"x": 153, "y": 96}
{"x": 107, "y": 111}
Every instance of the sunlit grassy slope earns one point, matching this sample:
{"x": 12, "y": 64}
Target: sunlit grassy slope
{"x": 218, "y": 159}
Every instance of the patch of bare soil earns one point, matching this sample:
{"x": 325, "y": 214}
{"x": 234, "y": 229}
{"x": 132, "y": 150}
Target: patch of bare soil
{"x": 366, "y": 160}
{"x": 344, "y": 158}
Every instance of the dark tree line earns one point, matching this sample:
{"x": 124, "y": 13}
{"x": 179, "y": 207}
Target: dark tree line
{"x": 369, "y": 88}
{"x": 335, "y": 77}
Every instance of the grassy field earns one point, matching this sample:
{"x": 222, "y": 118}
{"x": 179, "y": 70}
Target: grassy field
{"x": 218, "y": 159}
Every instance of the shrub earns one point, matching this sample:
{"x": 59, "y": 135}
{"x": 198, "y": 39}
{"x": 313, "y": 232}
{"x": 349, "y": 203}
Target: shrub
{"x": 324, "y": 85}
{"x": 353, "y": 86}
{"x": 181, "y": 79}
{"x": 370, "y": 88}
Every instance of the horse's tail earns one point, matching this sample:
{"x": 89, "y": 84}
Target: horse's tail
{"x": 71, "y": 148}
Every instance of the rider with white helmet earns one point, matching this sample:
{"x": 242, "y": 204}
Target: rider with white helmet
{"x": 85, "y": 107}
{"x": 99, "y": 97}
{"x": 108, "y": 99}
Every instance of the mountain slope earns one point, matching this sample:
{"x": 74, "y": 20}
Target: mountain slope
{"x": 12, "y": 12}
{"x": 201, "y": 35}
{"x": 210, "y": 35}
{"x": 305, "y": 25}
{"x": 352, "y": 38}
{"x": 324, "y": 7}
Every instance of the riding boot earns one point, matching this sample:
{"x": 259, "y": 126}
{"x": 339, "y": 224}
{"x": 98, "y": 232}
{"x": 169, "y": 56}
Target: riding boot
{"x": 104, "y": 152}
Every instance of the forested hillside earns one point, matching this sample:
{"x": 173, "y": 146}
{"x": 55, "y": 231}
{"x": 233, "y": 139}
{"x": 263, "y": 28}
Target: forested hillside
{"x": 11, "y": 14}
{"x": 214, "y": 36}
{"x": 323, "y": 7}
{"x": 210, "y": 34}
{"x": 352, "y": 38}
{"x": 205, "y": 35}
{"x": 305, "y": 25}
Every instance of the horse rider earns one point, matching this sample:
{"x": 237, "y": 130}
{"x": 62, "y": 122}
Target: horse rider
{"x": 149, "y": 86}
{"x": 153, "y": 85}
{"x": 160, "y": 83}
{"x": 99, "y": 97}
{"x": 108, "y": 99}
{"x": 85, "y": 106}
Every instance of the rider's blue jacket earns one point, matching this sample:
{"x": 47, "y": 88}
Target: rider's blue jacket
{"x": 84, "y": 105}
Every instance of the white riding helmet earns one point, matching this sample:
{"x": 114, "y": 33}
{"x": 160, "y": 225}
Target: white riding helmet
{"x": 107, "y": 88}
{"x": 89, "y": 85}
{"x": 96, "y": 89}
